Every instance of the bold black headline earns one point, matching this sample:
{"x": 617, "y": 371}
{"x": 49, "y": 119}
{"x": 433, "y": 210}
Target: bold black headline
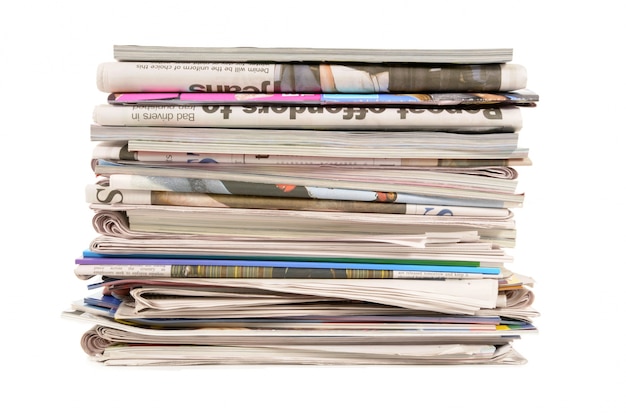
{"x": 349, "y": 113}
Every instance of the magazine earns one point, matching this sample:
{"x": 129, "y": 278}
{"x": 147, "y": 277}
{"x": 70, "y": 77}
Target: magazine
{"x": 520, "y": 97}
{"x": 88, "y": 267}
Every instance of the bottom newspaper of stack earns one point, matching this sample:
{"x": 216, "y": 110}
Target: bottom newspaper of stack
{"x": 188, "y": 278}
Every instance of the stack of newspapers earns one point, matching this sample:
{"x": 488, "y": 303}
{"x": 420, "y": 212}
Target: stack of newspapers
{"x": 306, "y": 206}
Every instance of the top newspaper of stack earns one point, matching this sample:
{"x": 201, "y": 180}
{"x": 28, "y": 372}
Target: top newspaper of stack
{"x": 286, "y": 54}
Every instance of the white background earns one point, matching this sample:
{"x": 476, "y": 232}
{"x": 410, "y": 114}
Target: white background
{"x": 570, "y": 229}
